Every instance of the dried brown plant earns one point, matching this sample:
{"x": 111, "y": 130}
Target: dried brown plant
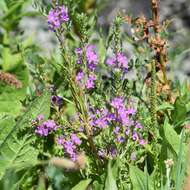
{"x": 10, "y": 79}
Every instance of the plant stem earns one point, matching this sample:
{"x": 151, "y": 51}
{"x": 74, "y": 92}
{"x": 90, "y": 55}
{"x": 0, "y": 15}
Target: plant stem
{"x": 160, "y": 56}
{"x": 153, "y": 96}
{"x": 155, "y": 15}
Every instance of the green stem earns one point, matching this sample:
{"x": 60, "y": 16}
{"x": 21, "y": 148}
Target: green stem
{"x": 153, "y": 96}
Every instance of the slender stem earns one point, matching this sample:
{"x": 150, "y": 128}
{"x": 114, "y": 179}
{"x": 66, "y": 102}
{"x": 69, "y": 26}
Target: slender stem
{"x": 155, "y": 15}
{"x": 153, "y": 96}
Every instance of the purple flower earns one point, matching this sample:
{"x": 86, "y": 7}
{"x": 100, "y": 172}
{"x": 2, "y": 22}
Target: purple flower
{"x": 57, "y": 17}
{"x": 113, "y": 152}
{"x": 131, "y": 111}
{"x": 40, "y": 118}
{"x": 79, "y": 76}
{"x": 50, "y": 125}
{"x": 116, "y": 130}
{"x": 73, "y": 156}
{"x": 46, "y": 127}
{"x": 127, "y": 131}
{"x": 138, "y": 126}
{"x": 63, "y": 14}
{"x": 135, "y": 136}
{"x": 111, "y": 61}
{"x": 122, "y": 61}
{"x": 81, "y": 129}
{"x": 101, "y": 122}
{"x": 57, "y": 100}
{"x": 60, "y": 140}
{"x": 40, "y": 130}
{"x": 120, "y": 139}
{"x": 90, "y": 81}
{"x": 118, "y": 61}
{"x": 78, "y": 51}
{"x": 122, "y": 115}
{"x": 117, "y": 102}
{"x": 69, "y": 147}
{"x": 101, "y": 153}
{"x": 91, "y": 56}
{"x": 75, "y": 139}
{"x": 53, "y": 20}
{"x": 110, "y": 117}
{"x": 142, "y": 142}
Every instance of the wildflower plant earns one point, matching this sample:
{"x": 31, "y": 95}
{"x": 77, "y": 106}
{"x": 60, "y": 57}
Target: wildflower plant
{"x": 93, "y": 126}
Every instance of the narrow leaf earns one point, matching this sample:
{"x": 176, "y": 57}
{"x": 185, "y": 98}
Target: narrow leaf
{"x": 82, "y": 185}
{"x": 110, "y": 180}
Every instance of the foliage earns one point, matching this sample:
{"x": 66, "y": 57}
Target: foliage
{"x": 87, "y": 115}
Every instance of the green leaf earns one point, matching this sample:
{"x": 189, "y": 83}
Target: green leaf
{"x": 12, "y": 179}
{"x": 6, "y": 125}
{"x": 15, "y": 151}
{"x": 82, "y": 185}
{"x": 180, "y": 111}
{"x": 13, "y": 8}
{"x": 12, "y": 108}
{"x": 3, "y": 5}
{"x": 110, "y": 182}
{"x": 97, "y": 186}
{"x": 181, "y": 165}
{"x": 165, "y": 106}
{"x": 171, "y": 137}
{"x": 10, "y": 96}
{"x": 139, "y": 179}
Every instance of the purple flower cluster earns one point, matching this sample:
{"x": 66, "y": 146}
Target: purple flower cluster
{"x": 121, "y": 122}
{"x": 127, "y": 127}
{"x": 44, "y": 128}
{"x": 57, "y": 101}
{"x": 90, "y": 81}
{"x": 57, "y": 17}
{"x": 100, "y": 118}
{"x": 119, "y": 60}
{"x": 91, "y": 57}
{"x": 70, "y": 145}
{"x": 123, "y": 114}
{"x": 87, "y": 80}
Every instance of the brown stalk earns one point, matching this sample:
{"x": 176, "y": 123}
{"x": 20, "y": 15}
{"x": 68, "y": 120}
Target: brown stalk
{"x": 155, "y": 15}
{"x": 161, "y": 56}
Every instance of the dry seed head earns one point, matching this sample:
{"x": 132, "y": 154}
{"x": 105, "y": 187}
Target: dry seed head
{"x": 141, "y": 20}
{"x": 69, "y": 164}
{"x": 10, "y": 79}
{"x": 157, "y": 43}
{"x": 81, "y": 161}
{"x": 63, "y": 163}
